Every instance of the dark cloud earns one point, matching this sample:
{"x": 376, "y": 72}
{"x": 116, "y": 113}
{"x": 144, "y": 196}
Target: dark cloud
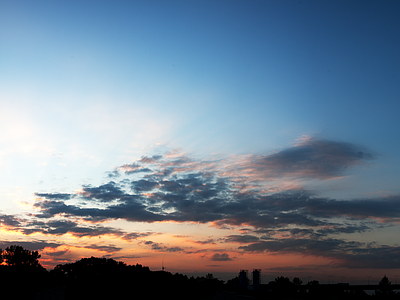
{"x": 57, "y": 253}
{"x": 312, "y": 158}
{"x": 299, "y": 268}
{"x": 104, "y": 193}
{"x": 344, "y": 253}
{"x": 131, "y": 210}
{"x": 173, "y": 249}
{"x": 305, "y": 246}
{"x": 161, "y": 248}
{"x": 241, "y": 239}
{"x": 33, "y": 245}
{"x": 344, "y": 229}
{"x": 9, "y": 221}
{"x": 113, "y": 174}
{"x": 54, "y": 196}
{"x": 198, "y": 199}
{"x": 135, "y": 235}
{"x": 124, "y": 257}
{"x": 134, "y": 168}
{"x": 61, "y": 227}
{"x": 377, "y": 257}
{"x": 213, "y": 266}
{"x": 205, "y": 242}
{"x": 141, "y": 170}
{"x": 143, "y": 185}
{"x": 220, "y": 257}
{"x": 150, "y": 160}
{"x": 108, "y": 249}
{"x": 177, "y": 188}
{"x": 385, "y": 208}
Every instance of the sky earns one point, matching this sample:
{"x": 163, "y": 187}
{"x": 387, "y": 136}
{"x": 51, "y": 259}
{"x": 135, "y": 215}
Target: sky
{"x": 208, "y": 136}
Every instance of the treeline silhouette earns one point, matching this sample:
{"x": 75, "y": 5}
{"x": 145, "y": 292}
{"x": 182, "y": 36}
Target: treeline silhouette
{"x": 22, "y": 277}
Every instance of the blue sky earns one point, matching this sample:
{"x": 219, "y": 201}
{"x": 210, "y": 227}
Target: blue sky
{"x": 281, "y": 98}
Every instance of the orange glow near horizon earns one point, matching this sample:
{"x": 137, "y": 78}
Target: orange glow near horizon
{"x": 192, "y": 259}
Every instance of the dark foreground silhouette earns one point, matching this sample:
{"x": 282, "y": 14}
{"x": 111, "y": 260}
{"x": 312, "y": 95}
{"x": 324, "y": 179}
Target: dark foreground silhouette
{"x": 22, "y": 277}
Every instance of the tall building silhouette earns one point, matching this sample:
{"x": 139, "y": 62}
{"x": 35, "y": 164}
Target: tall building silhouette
{"x": 256, "y": 279}
{"x": 243, "y": 280}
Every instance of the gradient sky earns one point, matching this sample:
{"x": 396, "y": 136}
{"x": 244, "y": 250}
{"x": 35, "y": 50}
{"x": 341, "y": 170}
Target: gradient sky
{"x": 211, "y": 135}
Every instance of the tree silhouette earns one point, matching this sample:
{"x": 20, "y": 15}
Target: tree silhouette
{"x": 21, "y": 274}
{"x": 18, "y": 256}
{"x": 384, "y": 290}
{"x": 282, "y": 287}
{"x": 384, "y": 282}
{"x": 297, "y": 281}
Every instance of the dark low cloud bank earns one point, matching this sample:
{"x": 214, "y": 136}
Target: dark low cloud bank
{"x": 180, "y": 189}
{"x": 347, "y": 254}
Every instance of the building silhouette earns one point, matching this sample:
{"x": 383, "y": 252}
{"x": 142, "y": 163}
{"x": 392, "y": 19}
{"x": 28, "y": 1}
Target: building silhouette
{"x": 256, "y": 279}
{"x": 243, "y": 280}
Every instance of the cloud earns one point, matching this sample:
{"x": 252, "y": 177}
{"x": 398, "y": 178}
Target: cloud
{"x": 230, "y": 193}
{"x": 290, "y": 245}
{"x": 213, "y": 266}
{"x": 205, "y": 242}
{"x": 298, "y": 268}
{"x": 385, "y": 208}
{"x": 134, "y": 168}
{"x": 61, "y": 227}
{"x": 136, "y": 235}
{"x": 220, "y": 257}
{"x": 9, "y": 221}
{"x": 54, "y": 196}
{"x": 241, "y": 239}
{"x": 311, "y": 158}
{"x": 132, "y": 210}
{"x": 113, "y": 174}
{"x": 57, "y": 253}
{"x": 150, "y": 160}
{"x": 203, "y": 199}
{"x": 143, "y": 185}
{"x": 159, "y": 247}
{"x": 33, "y": 245}
{"x": 349, "y": 254}
{"x": 108, "y": 249}
{"x": 105, "y": 193}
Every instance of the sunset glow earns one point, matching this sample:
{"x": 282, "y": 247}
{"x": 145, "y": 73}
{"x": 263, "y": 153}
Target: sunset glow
{"x": 208, "y": 136}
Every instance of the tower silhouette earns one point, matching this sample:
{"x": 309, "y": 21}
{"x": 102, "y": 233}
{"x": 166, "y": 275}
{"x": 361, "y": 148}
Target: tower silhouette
{"x": 256, "y": 279}
{"x": 243, "y": 280}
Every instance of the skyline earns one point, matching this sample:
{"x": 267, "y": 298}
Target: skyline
{"x": 216, "y": 136}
